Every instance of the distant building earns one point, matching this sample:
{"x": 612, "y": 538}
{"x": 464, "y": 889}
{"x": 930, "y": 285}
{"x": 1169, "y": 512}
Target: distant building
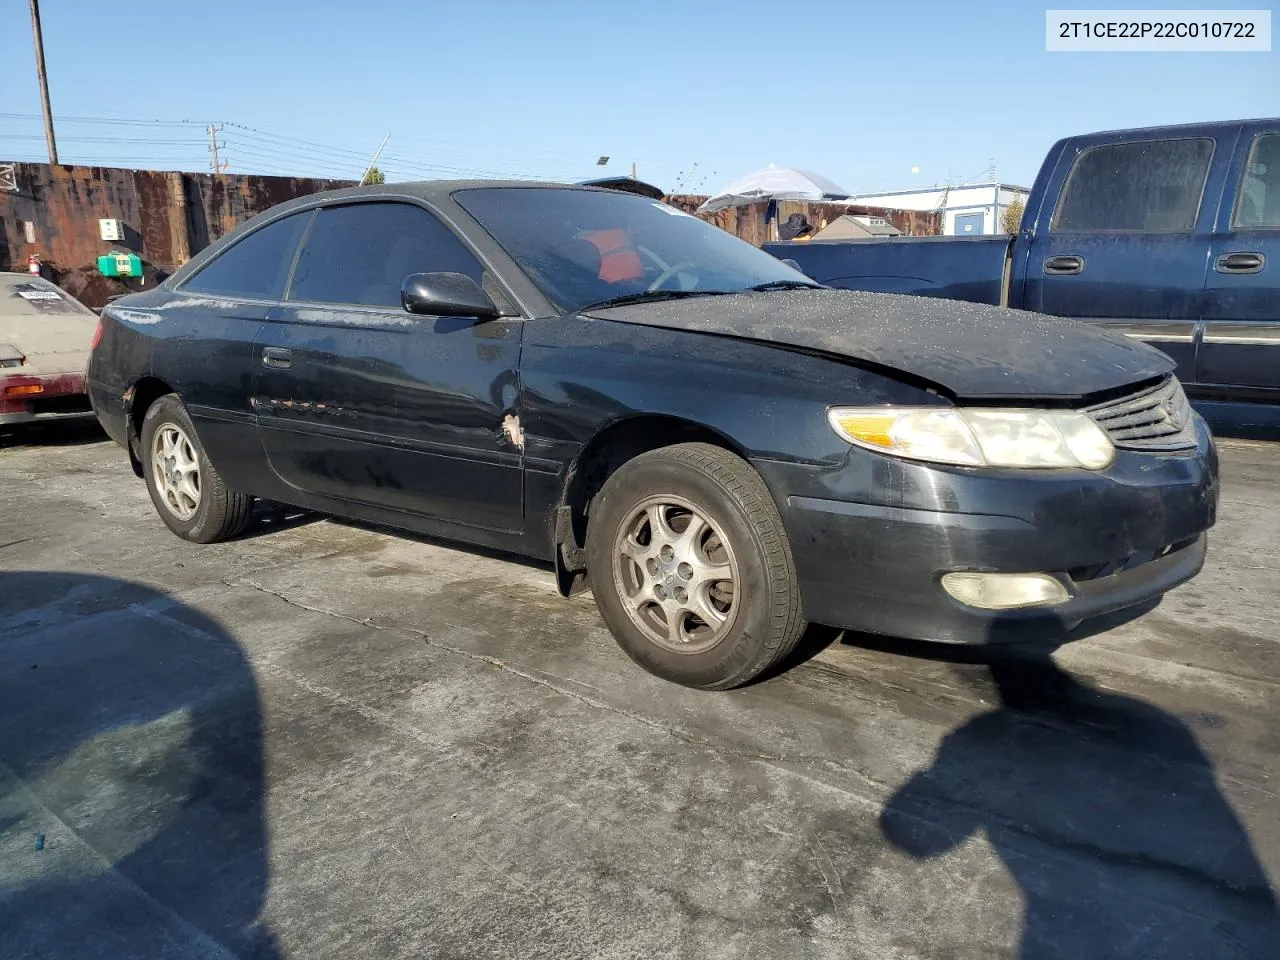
{"x": 853, "y": 226}
{"x": 968, "y": 211}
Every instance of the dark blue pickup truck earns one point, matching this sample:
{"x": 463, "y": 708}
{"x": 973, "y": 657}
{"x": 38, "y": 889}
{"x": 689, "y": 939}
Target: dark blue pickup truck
{"x": 1170, "y": 235}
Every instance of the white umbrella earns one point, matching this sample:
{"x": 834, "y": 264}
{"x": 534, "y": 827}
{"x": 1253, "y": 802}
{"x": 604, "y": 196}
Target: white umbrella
{"x": 775, "y": 183}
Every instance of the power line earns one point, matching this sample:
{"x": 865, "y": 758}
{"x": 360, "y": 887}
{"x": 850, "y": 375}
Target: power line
{"x": 290, "y": 153}
{"x": 310, "y": 147}
{"x": 66, "y": 139}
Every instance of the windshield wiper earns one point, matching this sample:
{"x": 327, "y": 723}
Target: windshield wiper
{"x": 786, "y": 285}
{"x": 650, "y": 296}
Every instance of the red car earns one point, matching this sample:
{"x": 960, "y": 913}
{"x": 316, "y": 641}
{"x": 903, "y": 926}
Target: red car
{"x": 45, "y": 339}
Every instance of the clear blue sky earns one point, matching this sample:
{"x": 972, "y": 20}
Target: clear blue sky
{"x": 860, "y": 92}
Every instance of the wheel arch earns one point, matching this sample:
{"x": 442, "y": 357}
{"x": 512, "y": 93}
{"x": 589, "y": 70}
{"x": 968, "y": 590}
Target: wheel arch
{"x": 613, "y": 445}
{"x": 138, "y": 399}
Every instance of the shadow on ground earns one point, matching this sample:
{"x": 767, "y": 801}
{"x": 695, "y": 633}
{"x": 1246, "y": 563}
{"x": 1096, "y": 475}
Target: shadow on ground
{"x": 51, "y": 433}
{"x": 131, "y": 776}
{"x": 1103, "y": 809}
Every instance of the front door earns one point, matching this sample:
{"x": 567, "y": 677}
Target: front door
{"x": 1125, "y": 246}
{"x": 359, "y": 400}
{"x": 1241, "y": 345}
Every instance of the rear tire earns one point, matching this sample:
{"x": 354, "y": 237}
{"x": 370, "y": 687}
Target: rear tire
{"x": 691, "y": 568}
{"x": 186, "y": 490}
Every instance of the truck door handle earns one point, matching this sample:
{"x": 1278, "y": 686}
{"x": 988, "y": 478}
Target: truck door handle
{"x": 277, "y": 358}
{"x": 1240, "y": 263}
{"x": 1063, "y": 266}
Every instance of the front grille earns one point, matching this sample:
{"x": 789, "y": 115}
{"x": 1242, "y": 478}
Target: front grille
{"x": 1155, "y": 418}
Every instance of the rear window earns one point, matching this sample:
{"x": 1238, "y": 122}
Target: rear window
{"x": 256, "y": 267}
{"x": 31, "y": 296}
{"x": 1146, "y": 186}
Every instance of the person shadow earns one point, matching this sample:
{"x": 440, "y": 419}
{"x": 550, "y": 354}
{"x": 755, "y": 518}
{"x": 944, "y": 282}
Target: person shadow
{"x": 1105, "y": 812}
{"x": 131, "y": 777}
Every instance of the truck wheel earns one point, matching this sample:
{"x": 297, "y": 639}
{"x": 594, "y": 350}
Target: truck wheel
{"x": 187, "y": 492}
{"x": 691, "y": 568}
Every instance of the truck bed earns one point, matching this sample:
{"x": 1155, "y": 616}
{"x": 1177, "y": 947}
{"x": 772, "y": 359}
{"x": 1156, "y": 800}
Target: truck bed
{"x": 957, "y": 268}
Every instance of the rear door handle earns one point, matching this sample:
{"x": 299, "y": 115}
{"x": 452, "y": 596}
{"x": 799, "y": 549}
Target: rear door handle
{"x": 1063, "y": 266}
{"x": 278, "y": 358}
{"x": 1240, "y": 263}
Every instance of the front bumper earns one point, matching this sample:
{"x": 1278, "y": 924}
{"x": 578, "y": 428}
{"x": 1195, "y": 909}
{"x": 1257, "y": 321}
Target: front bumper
{"x": 62, "y": 397}
{"x": 873, "y": 537}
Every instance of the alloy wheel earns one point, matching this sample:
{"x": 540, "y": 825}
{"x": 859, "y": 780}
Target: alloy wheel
{"x": 176, "y": 468}
{"x": 676, "y": 574}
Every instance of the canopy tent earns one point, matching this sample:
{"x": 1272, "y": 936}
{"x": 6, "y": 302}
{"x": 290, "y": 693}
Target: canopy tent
{"x": 775, "y": 183}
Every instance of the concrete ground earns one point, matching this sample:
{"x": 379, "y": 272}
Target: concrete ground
{"x": 327, "y": 741}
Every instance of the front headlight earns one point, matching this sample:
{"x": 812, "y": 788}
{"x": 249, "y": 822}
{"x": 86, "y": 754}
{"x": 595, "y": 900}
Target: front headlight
{"x": 978, "y": 436}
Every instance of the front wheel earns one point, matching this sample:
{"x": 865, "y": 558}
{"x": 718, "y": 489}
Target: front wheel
{"x": 691, "y": 568}
{"x": 186, "y": 490}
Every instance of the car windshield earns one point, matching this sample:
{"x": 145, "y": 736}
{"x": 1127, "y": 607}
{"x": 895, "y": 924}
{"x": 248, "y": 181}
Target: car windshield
{"x": 589, "y": 247}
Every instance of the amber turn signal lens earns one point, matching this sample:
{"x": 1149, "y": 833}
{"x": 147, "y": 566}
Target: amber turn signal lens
{"x": 23, "y": 390}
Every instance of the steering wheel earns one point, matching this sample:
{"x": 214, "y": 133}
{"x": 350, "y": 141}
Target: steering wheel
{"x": 668, "y": 273}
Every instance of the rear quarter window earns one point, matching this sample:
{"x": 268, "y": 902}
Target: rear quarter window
{"x": 1144, "y": 186}
{"x": 256, "y": 266}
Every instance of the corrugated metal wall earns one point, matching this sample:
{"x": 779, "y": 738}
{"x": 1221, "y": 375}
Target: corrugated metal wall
{"x": 167, "y": 216}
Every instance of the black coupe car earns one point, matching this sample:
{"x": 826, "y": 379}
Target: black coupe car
{"x": 720, "y": 448}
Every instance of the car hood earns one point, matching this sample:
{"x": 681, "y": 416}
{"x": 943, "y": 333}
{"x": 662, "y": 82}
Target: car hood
{"x": 970, "y": 350}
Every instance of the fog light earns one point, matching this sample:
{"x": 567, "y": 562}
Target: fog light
{"x": 1004, "y": 591}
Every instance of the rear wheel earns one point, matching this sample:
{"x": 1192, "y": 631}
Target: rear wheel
{"x": 691, "y": 568}
{"x": 187, "y": 491}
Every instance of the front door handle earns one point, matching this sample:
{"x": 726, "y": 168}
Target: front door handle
{"x": 1240, "y": 263}
{"x": 278, "y": 358}
{"x": 1063, "y": 266}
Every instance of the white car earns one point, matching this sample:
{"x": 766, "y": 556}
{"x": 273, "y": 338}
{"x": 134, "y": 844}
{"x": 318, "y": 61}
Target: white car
{"x": 45, "y": 339}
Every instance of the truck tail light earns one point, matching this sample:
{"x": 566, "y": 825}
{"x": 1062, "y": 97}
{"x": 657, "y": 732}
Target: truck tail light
{"x": 97, "y": 336}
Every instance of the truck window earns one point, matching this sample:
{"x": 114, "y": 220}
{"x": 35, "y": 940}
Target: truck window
{"x": 1145, "y": 186}
{"x": 1258, "y": 201}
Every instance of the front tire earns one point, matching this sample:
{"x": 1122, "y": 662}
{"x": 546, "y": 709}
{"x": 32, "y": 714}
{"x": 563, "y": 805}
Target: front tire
{"x": 691, "y": 569}
{"x": 186, "y": 490}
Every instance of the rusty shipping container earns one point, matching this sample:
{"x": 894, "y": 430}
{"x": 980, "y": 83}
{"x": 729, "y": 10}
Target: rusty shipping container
{"x": 167, "y": 217}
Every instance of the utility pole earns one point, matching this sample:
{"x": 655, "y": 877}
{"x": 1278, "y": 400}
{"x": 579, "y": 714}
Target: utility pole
{"x": 213, "y": 147}
{"x": 44, "y": 81}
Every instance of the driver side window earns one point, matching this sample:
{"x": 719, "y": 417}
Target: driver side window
{"x": 361, "y": 254}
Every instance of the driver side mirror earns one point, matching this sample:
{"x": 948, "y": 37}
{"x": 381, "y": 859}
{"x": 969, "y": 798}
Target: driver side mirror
{"x": 446, "y": 295}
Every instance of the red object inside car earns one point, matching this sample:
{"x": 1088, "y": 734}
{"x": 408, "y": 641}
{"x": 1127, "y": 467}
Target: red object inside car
{"x": 618, "y": 258}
